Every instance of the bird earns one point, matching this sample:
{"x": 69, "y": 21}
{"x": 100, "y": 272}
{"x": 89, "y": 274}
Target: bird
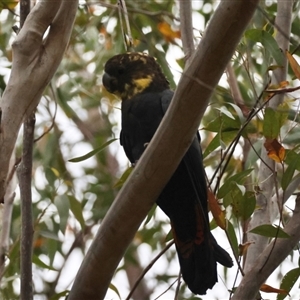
{"x": 137, "y": 79}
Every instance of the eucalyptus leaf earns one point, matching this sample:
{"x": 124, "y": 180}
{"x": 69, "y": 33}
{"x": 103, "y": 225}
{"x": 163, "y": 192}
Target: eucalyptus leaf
{"x": 92, "y": 153}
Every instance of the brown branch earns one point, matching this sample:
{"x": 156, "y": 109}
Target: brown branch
{"x": 24, "y": 176}
{"x": 24, "y": 172}
{"x": 24, "y": 11}
{"x": 186, "y": 29}
{"x": 34, "y": 62}
{"x": 165, "y": 150}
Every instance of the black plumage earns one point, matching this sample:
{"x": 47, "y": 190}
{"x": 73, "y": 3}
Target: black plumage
{"x": 138, "y": 80}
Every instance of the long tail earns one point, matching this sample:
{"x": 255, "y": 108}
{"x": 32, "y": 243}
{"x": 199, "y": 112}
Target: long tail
{"x": 198, "y": 261}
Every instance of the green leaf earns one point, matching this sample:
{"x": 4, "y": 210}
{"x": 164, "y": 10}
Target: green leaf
{"x": 271, "y": 126}
{"x": 114, "y": 288}
{"x": 124, "y": 177}
{"x": 293, "y": 158}
{"x": 223, "y": 123}
{"x": 49, "y": 235}
{"x": 243, "y": 205}
{"x": 238, "y": 178}
{"x": 241, "y": 188}
{"x": 288, "y": 176}
{"x": 219, "y": 140}
{"x": 283, "y": 113}
{"x": 238, "y": 112}
{"x": 271, "y": 231}
{"x": 232, "y": 237}
{"x": 248, "y": 205}
{"x": 226, "y": 112}
{"x": 269, "y": 43}
{"x": 61, "y": 295}
{"x": 288, "y": 281}
{"x": 52, "y": 246}
{"x": 150, "y": 214}
{"x": 93, "y": 152}
{"x": 76, "y": 209}
{"x": 36, "y": 260}
{"x": 63, "y": 205}
{"x": 169, "y": 236}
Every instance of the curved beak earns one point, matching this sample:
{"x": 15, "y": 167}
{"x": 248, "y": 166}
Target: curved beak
{"x": 107, "y": 80}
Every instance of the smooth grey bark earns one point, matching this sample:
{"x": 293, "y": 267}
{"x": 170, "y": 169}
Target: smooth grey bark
{"x": 186, "y": 29}
{"x": 35, "y": 60}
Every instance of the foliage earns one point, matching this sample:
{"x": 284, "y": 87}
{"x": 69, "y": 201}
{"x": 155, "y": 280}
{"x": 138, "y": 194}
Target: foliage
{"x": 76, "y": 118}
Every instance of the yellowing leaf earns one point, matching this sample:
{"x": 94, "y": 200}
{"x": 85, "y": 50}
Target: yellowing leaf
{"x": 293, "y": 63}
{"x": 281, "y": 85}
{"x": 169, "y": 34}
{"x": 217, "y": 213}
{"x": 268, "y": 289}
{"x": 55, "y": 172}
{"x": 275, "y": 150}
{"x": 8, "y": 4}
{"x": 39, "y": 242}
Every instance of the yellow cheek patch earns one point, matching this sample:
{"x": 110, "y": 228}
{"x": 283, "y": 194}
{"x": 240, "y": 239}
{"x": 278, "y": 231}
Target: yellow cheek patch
{"x": 141, "y": 84}
{"x": 135, "y": 87}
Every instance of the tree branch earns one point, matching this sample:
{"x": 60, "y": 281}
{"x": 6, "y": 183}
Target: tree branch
{"x": 165, "y": 150}
{"x": 24, "y": 172}
{"x": 24, "y": 11}
{"x": 7, "y": 212}
{"x": 34, "y": 63}
{"x": 270, "y": 259}
{"x": 186, "y": 29}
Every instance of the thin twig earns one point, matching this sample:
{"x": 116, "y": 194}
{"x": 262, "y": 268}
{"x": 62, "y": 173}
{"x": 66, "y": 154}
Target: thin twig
{"x": 150, "y": 265}
{"x": 186, "y": 29}
{"x": 178, "y": 286}
{"x": 140, "y": 11}
{"x": 24, "y": 172}
{"x": 230, "y": 149}
{"x": 127, "y": 35}
{"x": 53, "y": 118}
{"x": 166, "y": 290}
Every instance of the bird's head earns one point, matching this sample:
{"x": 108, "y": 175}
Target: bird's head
{"x": 129, "y": 74}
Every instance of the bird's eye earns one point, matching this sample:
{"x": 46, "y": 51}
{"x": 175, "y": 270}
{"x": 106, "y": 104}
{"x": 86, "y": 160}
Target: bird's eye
{"x": 121, "y": 70}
